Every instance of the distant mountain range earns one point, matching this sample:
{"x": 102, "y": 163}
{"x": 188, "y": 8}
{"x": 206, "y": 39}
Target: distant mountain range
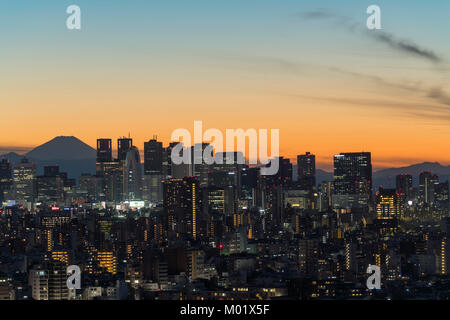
{"x": 71, "y": 154}
{"x": 76, "y": 157}
{"x": 386, "y": 177}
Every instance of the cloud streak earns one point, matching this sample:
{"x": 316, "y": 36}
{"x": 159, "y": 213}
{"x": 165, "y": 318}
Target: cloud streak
{"x": 401, "y": 45}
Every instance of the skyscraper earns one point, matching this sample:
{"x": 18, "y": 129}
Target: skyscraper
{"x": 153, "y": 157}
{"x": 25, "y": 181}
{"x": 5, "y": 177}
{"x": 404, "y": 185}
{"x": 132, "y": 175}
{"x": 182, "y": 204}
{"x": 352, "y": 180}
{"x": 123, "y": 145}
{"x": 427, "y": 182}
{"x": 104, "y": 150}
{"x": 306, "y": 168}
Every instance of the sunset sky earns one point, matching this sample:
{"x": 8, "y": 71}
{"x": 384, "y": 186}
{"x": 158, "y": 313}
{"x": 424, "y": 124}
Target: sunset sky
{"x": 308, "y": 68}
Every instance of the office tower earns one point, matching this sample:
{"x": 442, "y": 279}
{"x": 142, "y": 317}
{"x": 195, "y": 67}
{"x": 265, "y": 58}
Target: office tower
{"x": 285, "y": 171}
{"x": 112, "y": 175}
{"x": 104, "y": 150}
{"x": 90, "y": 187}
{"x": 132, "y": 175}
{"x": 404, "y": 185}
{"x": 153, "y": 171}
{"x": 152, "y": 188}
{"x": 215, "y": 201}
{"x": 153, "y": 157}
{"x": 123, "y": 145}
{"x": 352, "y": 180}
{"x": 441, "y": 195}
{"x": 167, "y": 160}
{"x": 25, "y": 181}
{"x": 181, "y": 170}
{"x": 427, "y": 182}
{"x": 306, "y": 168}
{"x": 199, "y": 168}
{"x": 249, "y": 182}
{"x": 5, "y": 178}
{"x": 50, "y": 186}
{"x": 389, "y": 204}
{"x": 182, "y": 203}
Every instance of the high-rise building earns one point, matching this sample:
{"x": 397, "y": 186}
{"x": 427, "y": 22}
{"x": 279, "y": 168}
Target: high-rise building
{"x": 104, "y": 150}
{"x": 427, "y": 181}
{"x": 182, "y": 204}
{"x": 199, "y": 168}
{"x": 5, "y": 178}
{"x": 153, "y": 157}
{"x": 441, "y": 195}
{"x": 306, "y": 169}
{"x": 389, "y": 204}
{"x": 132, "y": 175}
{"x": 25, "y": 181}
{"x": 123, "y": 145}
{"x": 404, "y": 185}
{"x": 352, "y": 180}
{"x": 285, "y": 170}
{"x": 57, "y": 276}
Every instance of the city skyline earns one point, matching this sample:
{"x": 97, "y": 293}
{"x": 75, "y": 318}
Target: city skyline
{"x": 326, "y": 163}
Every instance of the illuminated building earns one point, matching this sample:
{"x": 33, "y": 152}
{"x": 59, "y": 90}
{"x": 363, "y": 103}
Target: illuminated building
{"x": 50, "y": 186}
{"x": 102, "y": 262}
{"x": 427, "y": 181}
{"x": 441, "y": 195}
{"x": 38, "y": 280}
{"x": 111, "y": 174}
{"x": 389, "y": 204}
{"x": 25, "y": 181}
{"x": 352, "y": 180}
{"x": 57, "y": 263}
{"x": 182, "y": 200}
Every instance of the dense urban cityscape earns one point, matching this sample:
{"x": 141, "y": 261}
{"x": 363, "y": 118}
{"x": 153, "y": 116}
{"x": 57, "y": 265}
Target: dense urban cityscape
{"x": 157, "y": 230}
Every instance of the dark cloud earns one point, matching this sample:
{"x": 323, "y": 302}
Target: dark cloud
{"x": 439, "y": 95}
{"x": 404, "y": 46}
{"x": 401, "y": 45}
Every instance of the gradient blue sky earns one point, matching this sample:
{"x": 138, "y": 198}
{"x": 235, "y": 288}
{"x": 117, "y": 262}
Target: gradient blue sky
{"x": 164, "y": 64}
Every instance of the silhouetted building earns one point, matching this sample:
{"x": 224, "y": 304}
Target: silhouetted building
{"x": 5, "y": 178}
{"x": 123, "y": 145}
{"x": 153, "y": 157}
{"x": 306, "y": 169}
{"x": 104, "y": 150}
